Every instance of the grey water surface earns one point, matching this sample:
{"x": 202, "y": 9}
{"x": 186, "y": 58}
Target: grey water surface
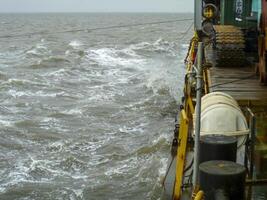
{"x": 88, "y": 114}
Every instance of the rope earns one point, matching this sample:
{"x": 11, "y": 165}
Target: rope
{"x": 95, "y": 29}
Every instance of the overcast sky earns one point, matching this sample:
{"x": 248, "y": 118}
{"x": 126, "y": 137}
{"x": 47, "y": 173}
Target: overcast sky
{"x": 96, "y": 5}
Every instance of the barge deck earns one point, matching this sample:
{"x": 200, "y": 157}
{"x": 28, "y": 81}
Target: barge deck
{"x": 241, "y": 83}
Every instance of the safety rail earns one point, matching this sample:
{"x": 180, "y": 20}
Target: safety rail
{"x": 186, "y": 114}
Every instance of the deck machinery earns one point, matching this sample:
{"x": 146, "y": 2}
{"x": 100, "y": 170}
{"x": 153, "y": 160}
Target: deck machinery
{"x": 225, "y": 96}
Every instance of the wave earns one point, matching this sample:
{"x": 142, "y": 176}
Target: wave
{"x": 134, "y": 54}
{"x": 71, "y": 163}
{"x": 154, "y": 147}
{"x": 159, "y": 46}
{"x": 51, "y": 62}
{"x": 113, "y": 57}
{"x": 40, "y": 49}
{"x": 21, "y": 82}
{"x": 37, "y": 171}
{"x": 75, "y": 44}
{"x": 40, "y": 93}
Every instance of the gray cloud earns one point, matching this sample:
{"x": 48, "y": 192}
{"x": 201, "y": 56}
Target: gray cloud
{"x": 96, "y": 5}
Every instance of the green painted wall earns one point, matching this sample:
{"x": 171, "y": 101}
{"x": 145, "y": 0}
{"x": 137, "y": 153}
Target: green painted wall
{"x": 229, "y": 16}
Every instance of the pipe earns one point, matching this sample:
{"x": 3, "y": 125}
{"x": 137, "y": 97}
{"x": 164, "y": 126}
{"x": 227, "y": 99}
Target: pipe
{"x": 198, "y": 113}
{"x": 252, "y": 145}
{"x": 198, "y": 14}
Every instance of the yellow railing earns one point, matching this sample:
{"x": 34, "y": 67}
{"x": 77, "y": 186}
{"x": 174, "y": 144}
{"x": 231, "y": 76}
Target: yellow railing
{"x": 181, "y": 151}
{"x": 186, "y": 114}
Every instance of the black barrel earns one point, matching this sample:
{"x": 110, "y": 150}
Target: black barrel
{"x": 222, "y": 178}
{"x": 217, "y": 147}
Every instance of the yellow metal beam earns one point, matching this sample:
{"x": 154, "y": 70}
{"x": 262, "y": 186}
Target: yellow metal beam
{"x": 190, "y": 104}
{"x": 181, "y": 153}
{"x": 185, "y": 116}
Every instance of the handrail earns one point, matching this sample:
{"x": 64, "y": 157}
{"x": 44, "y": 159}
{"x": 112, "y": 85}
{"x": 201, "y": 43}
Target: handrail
{"x": 186, "y": 112}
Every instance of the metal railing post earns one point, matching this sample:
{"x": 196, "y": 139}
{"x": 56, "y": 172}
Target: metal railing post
{"x": 198, "y": 113}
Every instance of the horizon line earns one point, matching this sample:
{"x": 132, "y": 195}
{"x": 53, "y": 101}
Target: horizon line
{"x": 96, "y": 12}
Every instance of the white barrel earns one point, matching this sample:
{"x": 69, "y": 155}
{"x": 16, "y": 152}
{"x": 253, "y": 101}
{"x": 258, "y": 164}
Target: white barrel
{"x": 217, "y": 97}
{"x": 221, "y": 115}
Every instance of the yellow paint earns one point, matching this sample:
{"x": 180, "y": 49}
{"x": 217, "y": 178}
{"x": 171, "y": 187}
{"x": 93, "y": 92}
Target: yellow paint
{"x": 190, "y": 104}
{"x": 185, "y": 116}
{"x": 181, "y": 151}
{"x": 209, "y": 12}
{"x": 200, "y": 195}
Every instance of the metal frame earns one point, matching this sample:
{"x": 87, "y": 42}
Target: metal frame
{"x": 250, "y": 143}
{"x": 186, "y": 113}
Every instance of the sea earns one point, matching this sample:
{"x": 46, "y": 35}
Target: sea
{"x": 86, "y": 112}
{"x": 88, "y": 103}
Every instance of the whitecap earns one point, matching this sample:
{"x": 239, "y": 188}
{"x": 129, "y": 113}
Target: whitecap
{"x": 16, "y": 94}
{"x": 6, "y": 123}
{"x": 185, "y": 45}
{"x": 78, "y": 193}
{"x": 17, "y": 175}
{"x": 137, "y": 129}
{"x": 162, "y": 168}
{"x": 67, "y": 52}
{"x": 161, "y": 139}
{"x": 59, "y": 72}
{"x": 57, "y": 146}
{"x": 139, "y": 46}
{"x": 24, "y": 81}
{"x": 75, "y": 44}
{"x": 158, "y": 46}
{"x": 39, "y": 49}
{"x": 121, "y": 169}
{"x": 74, "y": 111}
{"x": 113, "y": 57}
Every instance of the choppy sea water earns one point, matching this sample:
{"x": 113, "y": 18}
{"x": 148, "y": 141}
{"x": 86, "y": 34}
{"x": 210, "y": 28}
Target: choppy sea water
{"x": 89, "y": 114}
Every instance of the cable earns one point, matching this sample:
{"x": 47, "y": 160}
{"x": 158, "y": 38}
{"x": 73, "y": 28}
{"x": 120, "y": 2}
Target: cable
{"x": 186, "y": 32}
{"x": 189, "y": 166}
{"x": 95, "y": 29}
{"x": 237, "y": 80}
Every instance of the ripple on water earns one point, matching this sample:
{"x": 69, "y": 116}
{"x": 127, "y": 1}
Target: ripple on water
{"x": 96, "y": 114}
{"x": 113, "y": 57}
{"x": 51, "y": 62}
{"x": 76, "y": 44}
